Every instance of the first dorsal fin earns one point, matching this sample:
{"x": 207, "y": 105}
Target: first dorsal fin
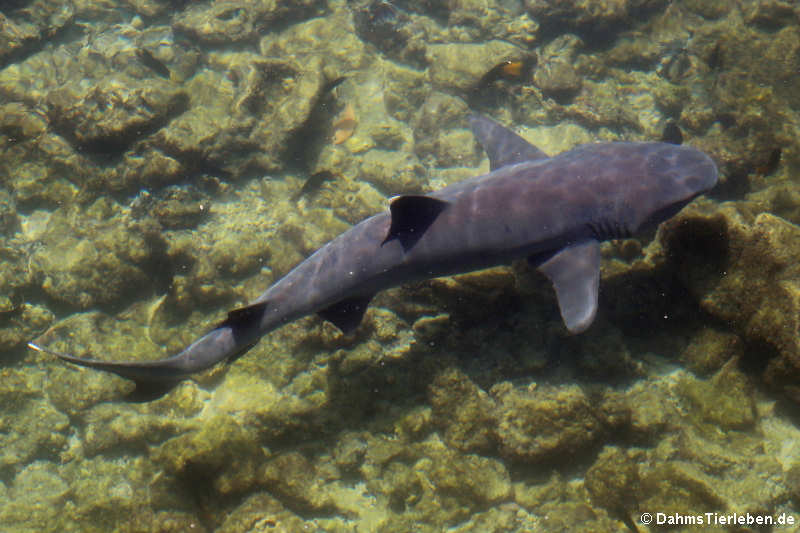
{"x": 411, "y": 216}
{"x": 503, "y": 146}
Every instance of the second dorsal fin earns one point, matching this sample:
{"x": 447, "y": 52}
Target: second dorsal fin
{"x": 503, "y": 146}
{"x": 411, "y": 216}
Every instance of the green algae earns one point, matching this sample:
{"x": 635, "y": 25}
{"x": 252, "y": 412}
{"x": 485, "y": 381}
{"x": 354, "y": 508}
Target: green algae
{"x": 565, "y": 419}
{"x": 724, "y": 401}
{"x": 31, "y": 426}
{"x": 613, "y": 481}
{"x": 463, "y": 410}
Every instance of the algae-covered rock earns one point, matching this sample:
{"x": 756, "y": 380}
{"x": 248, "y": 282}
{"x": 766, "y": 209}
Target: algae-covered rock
{"x": 674, "y": 486}
{"x": 113, "y": 113}
{"x": 507, "y": 517}
{"x": 220, "y": 449}
{"x": 240, "y": 20}
{"x": 555, "y": 74}
{"x": 654, "y": 412}
{"x": 743, "y": 269}
{"x": 601, "y": 104}
{"x": 436, "y": 122}
{"x": 558, "y": 79}
{"x": 8, "y": 213}
{"x": 98, "y": 95}
{"x": 16, "y": 35}
{"x": 592, "y": 15}
{"x": 478, "y": 480}
{"x": 404, "y": 92}
{"x": 771, "y": 14}
{"x": 725, "y": 400}
{"x": 353, "y": 202}
{"x": 782, "y": 199}
{"x": 710, "y": 349}
{"x": 392, "y": 341}
{"x": 498, "y": 20}
{"x": 540, "y": 422}
{"x": 181, "y": 207}
{"x": 262, "y": 512}
{"x": 295, "y": 480}
{"x": 19, "y": 320}
{"x": 709, "y": 10}
{"x": 143, "y": 166}
{"x": 454, "y": 148}
{"x": 393, "y": 172}
{"x": 36, "y": 428}
{"x": 248, "y": 107}
{"x": 35, "y": 498}
{"x": 21, "y": 29}
{"x": 350, "y": 450}
{"x": 95, "y": 257}
{"x": 20, "y": 123}
{"x": 30, "y": 426}
{"x": 391, "y": 30}
{"x": 108, "y": 494}
{"x": 463, "y": 410}
{"x": 562, "y": 505}
{"x": 107, "y": 428}
{"x": 462, "y": 65}
{"x": 331, "y": 39}
{"x": 613, "y": 481}
{"x": 433, "y": 484}
{"x": 720, "y": 476}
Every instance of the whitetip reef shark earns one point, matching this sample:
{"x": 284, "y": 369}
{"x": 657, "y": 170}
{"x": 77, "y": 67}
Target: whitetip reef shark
{"x": 554, "y": 211}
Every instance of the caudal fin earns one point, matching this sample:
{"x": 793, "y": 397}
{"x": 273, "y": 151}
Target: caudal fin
{"x": 163, "y": 370}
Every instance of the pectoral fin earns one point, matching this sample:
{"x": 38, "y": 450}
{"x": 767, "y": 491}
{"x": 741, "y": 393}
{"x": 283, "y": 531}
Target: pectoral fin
{"x": 575, "y": 273}
{"x": 347, "y": 314}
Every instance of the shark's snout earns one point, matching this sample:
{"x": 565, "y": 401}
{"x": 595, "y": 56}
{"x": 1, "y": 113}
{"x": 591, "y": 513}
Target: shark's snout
{"x": 696, "y": 170}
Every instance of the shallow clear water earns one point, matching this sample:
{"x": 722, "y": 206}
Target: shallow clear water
{"x": 162, "y": 163}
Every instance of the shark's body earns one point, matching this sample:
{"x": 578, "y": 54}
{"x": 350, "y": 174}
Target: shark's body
{"x": 552, "y": 210}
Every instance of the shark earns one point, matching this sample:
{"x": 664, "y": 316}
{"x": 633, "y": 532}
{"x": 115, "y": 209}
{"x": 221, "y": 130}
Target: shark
{"x": 552, "y": 211}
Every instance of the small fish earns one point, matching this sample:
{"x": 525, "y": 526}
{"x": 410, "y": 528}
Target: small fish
{"x": 330, "y": 85}
{"x": 675, "y": 66}
{"x": 344, "y": 125}
{"x": 672, "y": 133}
{"x": 153, "y": 63}
{"x": 714, "y": 59}
{"x": 382, "y": 24}
{"x": 508, "y": 70}
{"x": 770, "y": 165}
{"x": 313, "y": 183}
{"x": 383, "y": 13}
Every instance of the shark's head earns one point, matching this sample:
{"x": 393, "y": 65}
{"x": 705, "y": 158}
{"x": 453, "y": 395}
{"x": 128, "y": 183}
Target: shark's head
{"x": 667, "y": 177}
